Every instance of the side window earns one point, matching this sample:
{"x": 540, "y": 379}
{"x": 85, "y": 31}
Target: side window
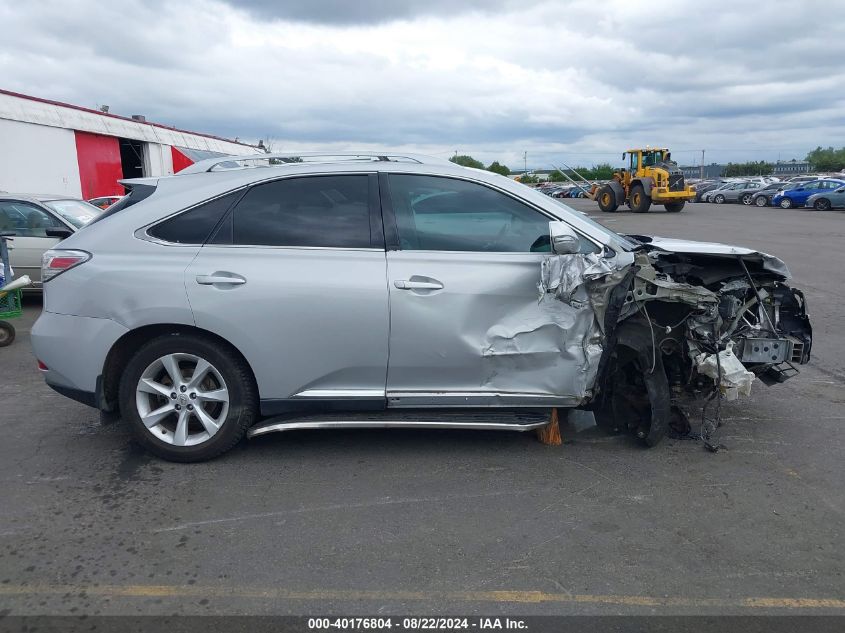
{"x": 445, "y": 214}
{"x": 26, "y": 220}
{"x": 194, "y": 226}
{"x": 328, "y": 211}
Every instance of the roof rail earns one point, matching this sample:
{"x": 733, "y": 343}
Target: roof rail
{"x": 222, "y": 163}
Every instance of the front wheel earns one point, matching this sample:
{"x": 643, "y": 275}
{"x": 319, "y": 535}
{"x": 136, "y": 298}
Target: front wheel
{"x": 822, "y": 204}
{"x": 786, "y": 203}
{"x": 638, "y": 200}
{"x": 186, "y": 398}
{"x": 636, "y": 397}
{"x": 719, "y": 199}
{"x": 607, "y": 200}
{"x": 674, "y": 207}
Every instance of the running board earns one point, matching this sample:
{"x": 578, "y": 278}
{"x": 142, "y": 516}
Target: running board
{"x": 487, "y": 420}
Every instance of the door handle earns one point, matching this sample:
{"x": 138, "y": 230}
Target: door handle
{"x": 220, "y": 278}
{"x": 406, "y": 284}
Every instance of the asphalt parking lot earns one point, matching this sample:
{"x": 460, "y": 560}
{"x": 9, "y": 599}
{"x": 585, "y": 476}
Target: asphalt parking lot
{"x": 368, "y": 522}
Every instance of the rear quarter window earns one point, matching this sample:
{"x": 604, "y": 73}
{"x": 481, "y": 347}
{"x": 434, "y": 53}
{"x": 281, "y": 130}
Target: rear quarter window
{"x": 195, "y": 225}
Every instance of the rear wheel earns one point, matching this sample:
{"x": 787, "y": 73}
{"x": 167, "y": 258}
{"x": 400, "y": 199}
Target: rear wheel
{"x": 822, "y": 204}
{"x": 7, "y": 334}
{"x": 186, "y": 398}
{"x": 786, "y": 203}
{"x": 761, "y": 201}
{"x": 638, "y": 200}
{"x": 607, "y": 200}
{"x": 746, "y": 198}
{"x": 674, "y": 207}
{"x": 719, "y": 198}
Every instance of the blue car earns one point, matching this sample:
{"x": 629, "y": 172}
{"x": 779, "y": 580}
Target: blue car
{"x": 798, "y": 196}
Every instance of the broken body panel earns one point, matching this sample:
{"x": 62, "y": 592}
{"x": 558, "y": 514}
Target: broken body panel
{"x": 681, "y": 322}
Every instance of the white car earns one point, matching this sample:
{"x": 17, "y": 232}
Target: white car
{"x": 38, "y": 223}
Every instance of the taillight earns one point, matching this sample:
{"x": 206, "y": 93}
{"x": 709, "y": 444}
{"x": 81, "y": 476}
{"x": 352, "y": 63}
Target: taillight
{"x": 55, "y": 262}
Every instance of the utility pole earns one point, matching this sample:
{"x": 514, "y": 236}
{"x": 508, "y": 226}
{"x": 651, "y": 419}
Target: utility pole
{"x": 702, "y": 164}
{"x": 525, "y": 162}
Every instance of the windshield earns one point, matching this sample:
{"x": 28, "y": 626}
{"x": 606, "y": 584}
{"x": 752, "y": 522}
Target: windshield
{"x": 77, "y": 212}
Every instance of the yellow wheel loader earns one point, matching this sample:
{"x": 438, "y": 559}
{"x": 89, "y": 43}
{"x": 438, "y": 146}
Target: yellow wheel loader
{"x": 651, "y": 178}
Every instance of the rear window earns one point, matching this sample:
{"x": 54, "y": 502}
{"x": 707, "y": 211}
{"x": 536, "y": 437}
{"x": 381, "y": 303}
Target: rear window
{"x": 195, "y": 225}
{"x": 312, "y": 211}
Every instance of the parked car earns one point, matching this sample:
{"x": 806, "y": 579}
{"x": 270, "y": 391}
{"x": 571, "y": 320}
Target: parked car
{"x": 763, "y": 196}
{"x": 397, "y": 292}
{"x": 796, "y": 197}
{"x": 824, "y": 200}
{"x": 797, "y": 180}
{"x": 704, "y": 186}
{"x": 38, "y": 223}
{"x": 738, "y": 192}
{"x": 104, "y": 202}
{"x": 718, "y": 195}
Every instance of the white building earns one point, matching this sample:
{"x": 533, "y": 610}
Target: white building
{"x": 52, "y": 147}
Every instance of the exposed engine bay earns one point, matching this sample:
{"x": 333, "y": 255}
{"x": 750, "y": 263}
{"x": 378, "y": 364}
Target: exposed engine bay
{"x": 687, "y": 325}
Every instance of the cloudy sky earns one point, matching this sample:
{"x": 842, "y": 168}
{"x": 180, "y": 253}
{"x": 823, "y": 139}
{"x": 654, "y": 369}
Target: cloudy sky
{"x": 577, "y": 81}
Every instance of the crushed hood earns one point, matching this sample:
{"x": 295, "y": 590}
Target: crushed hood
{"x": 689, "y": 247}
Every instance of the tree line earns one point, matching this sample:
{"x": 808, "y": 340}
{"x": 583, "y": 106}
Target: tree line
{"x": 820, "y": 159}
{"x": 603, "y": 171}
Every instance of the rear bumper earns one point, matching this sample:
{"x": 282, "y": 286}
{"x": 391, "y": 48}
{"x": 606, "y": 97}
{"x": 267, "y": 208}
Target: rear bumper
{"x": 74, "y": 349}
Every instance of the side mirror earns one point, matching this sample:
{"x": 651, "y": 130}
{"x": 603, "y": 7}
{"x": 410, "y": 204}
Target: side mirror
{"x": 60, "y": 232}
{"x": 565, "y": 240}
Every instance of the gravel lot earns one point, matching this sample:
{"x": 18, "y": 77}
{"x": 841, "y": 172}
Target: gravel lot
{"x": 366, "y": 522}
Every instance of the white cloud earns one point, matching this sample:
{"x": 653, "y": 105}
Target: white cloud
{"x": 578, "y": 81}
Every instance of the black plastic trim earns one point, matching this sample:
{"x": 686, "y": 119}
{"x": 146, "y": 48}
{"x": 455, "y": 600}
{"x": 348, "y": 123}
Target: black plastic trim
{"x": 85, "y": 397}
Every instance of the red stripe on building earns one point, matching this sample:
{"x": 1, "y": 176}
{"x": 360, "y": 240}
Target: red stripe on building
{"x": 180, "y": 161}
{"x": 99, "y": 165}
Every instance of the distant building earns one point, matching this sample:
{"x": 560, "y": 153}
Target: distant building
{"x": 791, "y": 167}
{"x": 59, "y": 148}
{"x": 712, "y": 170}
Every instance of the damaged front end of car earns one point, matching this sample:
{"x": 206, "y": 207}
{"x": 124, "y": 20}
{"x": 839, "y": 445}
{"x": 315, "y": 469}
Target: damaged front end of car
{"x": 685, "y": 324}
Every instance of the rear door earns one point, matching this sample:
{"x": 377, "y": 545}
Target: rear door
{"x": 295, "y": 278}
{"x": 30, "y": 224}
{"x": 466, "y": 326}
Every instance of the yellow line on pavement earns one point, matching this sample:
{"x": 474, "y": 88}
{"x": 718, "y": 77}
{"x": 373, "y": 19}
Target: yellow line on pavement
{"x": 537, "y": 597}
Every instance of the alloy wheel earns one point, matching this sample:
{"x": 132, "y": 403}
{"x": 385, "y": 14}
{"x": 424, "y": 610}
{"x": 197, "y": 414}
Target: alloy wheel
{"x": 182, "y": 399}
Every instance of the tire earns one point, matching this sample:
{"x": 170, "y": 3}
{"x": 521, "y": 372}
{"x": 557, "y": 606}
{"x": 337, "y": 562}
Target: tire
{"x": 196, "y": 421}
{"x": 761, "y": 201}
{"x": 785, "y": 203}
{"x": 7, "y": 334}
{"x": 607, "y": 199}
{"x": 638, "y": 201}
{"x": 646, "y": 415}
{"x": 746, "y": 199}
{"x": 822, "y": 204}
{"x": 719, "y": 199}
{"x": 674, "y": 207}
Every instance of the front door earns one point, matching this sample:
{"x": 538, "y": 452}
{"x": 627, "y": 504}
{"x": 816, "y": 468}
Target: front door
{"x": 295, "y": 279}
{"x": 466, "y": 326}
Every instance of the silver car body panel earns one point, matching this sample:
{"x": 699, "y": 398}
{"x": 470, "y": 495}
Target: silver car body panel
{"x": 306, "y": 319}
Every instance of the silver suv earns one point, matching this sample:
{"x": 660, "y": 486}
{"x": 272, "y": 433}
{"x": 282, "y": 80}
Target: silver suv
{"x": 273, "y": 293}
